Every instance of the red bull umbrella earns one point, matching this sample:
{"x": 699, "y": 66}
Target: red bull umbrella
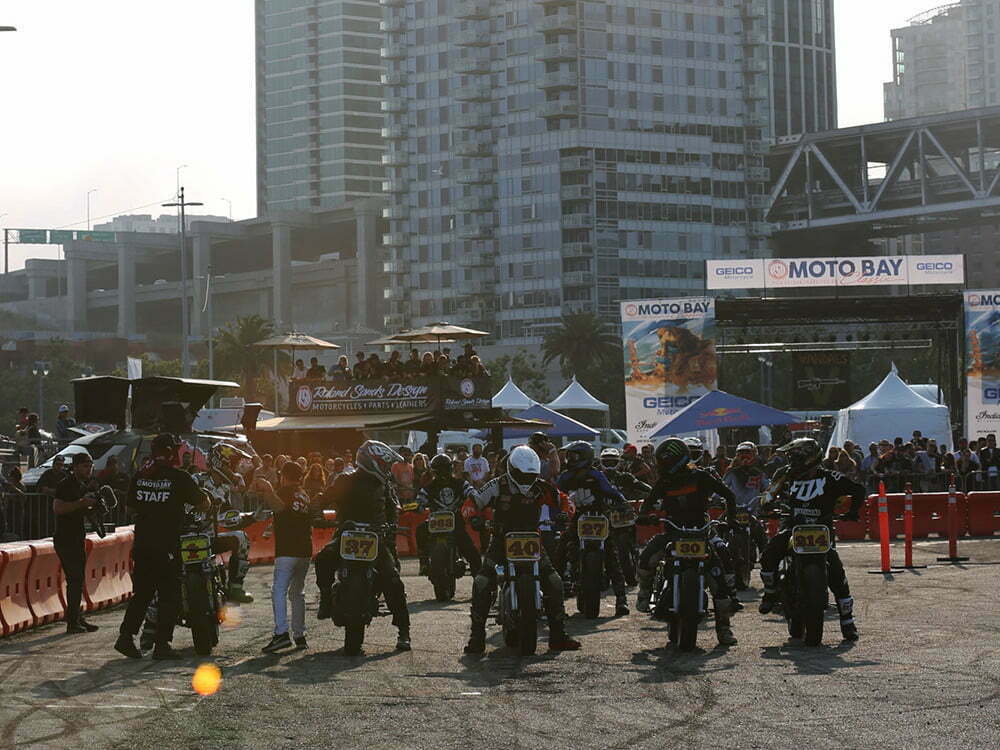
{"x": 720, "y": 409}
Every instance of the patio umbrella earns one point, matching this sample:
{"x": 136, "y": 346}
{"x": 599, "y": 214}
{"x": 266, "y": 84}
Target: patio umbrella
{"x": 291, "y": 341}
{"x": 439, "y": 333}
{"x": 396, "y": 341}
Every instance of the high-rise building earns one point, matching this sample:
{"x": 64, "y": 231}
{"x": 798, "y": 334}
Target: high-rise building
{"x": 553, "y": 156}
{"x": 945, "y": 60}
{"x": 318, "y": 88}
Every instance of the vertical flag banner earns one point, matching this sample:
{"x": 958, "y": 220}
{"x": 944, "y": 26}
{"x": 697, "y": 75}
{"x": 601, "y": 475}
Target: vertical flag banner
{"x": 982, "y": 363}
{"x": 669, "y": 347}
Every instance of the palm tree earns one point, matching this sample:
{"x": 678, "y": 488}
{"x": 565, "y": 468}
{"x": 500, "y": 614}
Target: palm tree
{"x": 237, "y": 357}
{"x": 583, "y": 343}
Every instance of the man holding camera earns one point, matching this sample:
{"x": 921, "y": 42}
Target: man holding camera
{"x": 74, "y": 496}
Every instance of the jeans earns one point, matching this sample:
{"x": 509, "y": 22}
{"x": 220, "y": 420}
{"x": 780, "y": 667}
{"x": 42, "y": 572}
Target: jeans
{"x": 73, "y": 557}
{"x": 289, "y": 586}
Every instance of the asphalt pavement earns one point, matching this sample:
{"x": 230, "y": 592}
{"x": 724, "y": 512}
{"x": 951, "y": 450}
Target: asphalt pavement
{"x": 925, "y": 674}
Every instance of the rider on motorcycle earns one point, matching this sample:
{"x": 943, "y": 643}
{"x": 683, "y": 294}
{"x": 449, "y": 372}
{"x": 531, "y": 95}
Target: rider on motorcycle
{"x": 592, "y": 493}
{"x": 365, "y": 496}
{"x": 631, "y": 487}
{"x": 219, "y": 482}
{"x": 517, "y": 496}
{"x": 812, "y": 492}
{"x": 748, "y": 481}
{"x": 445, "y": 492}
{"x": 682, "y": 493}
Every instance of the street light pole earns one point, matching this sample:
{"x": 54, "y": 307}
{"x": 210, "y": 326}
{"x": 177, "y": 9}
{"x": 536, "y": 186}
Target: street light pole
{"x": 182, "y": 204}
{"x": 92, "y": 190}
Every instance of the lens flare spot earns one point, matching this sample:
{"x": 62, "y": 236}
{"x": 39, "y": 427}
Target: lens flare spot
{"x": 206, "y": 680}
{"x": 231, "y": 617}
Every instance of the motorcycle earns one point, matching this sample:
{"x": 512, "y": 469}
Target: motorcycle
{"x": 446, "y": 564}
{"x": 520, "y": 598}
{"x": 679, "y": 584}
{"x": 802, "y": 580}
{"x": 593, "y": 531}
{"x": 624, "y": 539}
{"x": 203, "y": 583}
{"x": 355, "y": 592}
{"x": 743, "y": 547}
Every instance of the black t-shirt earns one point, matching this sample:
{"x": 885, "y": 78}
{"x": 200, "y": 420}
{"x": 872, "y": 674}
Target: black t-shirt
{"x": 70, "y": 526}
{"x": 50, "y": 479}
{"x": 157, "y": 496}
{"x": 685, "y": 498}
{"x": 360, "y": 497}
{"x": 814, "y": 500}
{"x": 293, "y": 524}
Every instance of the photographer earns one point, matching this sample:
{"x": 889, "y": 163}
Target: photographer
{"x": 157, "y": 496}
{"x": 73, "y": 498}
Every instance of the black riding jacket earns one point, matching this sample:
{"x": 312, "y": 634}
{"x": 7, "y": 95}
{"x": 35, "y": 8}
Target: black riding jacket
{"x": 684, "y": 497}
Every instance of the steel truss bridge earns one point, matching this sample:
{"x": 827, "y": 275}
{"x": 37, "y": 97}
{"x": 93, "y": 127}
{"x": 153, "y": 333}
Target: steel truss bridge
{"x": 886, "y": 179}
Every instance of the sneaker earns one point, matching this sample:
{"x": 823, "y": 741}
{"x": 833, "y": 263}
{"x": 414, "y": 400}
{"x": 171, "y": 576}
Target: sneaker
{"x": 238, "y": 595}
{"x": 621, "y": 607}
{"x": 88, "y": 626}
{"x": 403, "y": 641}
{"x": 725, "y": 636}
{"x": 164, "y": 652}
{"x": 278, "y": 642}
{"x": 476, "y": 644}
{"x": 75, "y": 627}
{"x": 562, "y": 642}
{"x": 642, "y": 602}
{"x": 126, "y": 647}
{"x": 300, "y": 643}
{"x": 767, "y": 603}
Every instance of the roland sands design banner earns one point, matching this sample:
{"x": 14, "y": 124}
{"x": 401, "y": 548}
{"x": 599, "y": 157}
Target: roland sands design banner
{"x": 382, "y": 396}
{"x": 669, "y": 359}
{"x": 982, "y": 363}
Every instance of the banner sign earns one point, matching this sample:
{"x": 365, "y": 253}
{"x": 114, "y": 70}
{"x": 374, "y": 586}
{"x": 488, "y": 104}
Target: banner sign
{"x": 316, "y": 397}
{"x": 982, "y": 364}
{"x": 878, "y": 270}
{"x": 822, "y": 380}
{"x": 669, "y": 357}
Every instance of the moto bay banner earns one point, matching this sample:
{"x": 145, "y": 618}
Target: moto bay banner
{"x": 669, "y": 355}
{"x": 822, "y": 380}
{"x": 982, "y": 363}
{"x": 316, "y": 397}
{"x": 879, "y": 270}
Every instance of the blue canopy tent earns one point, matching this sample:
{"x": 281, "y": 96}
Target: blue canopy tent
{"x": 562, "y": 426}
{"x": 720, "y": 409}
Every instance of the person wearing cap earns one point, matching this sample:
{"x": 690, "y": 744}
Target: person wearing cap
{"x": 74, "y": 496}
{"x": 156, "y": 498}
{"x": 52, "y": 476}
{"x": 63, "y": 423}
{"x": 547, "y": 453}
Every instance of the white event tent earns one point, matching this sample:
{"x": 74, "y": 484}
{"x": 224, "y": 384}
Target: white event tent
{"x": 892, "y": 410}
{"x": 577, "y": 397}
{"x": 512, "y": 398}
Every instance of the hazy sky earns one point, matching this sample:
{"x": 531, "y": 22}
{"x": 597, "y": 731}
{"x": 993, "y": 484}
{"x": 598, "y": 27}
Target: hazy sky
{"x": 114, "y": 95}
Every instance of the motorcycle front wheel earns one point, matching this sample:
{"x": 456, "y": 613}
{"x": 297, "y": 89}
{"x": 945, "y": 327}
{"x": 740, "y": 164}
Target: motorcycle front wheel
{"x": 591, "y": 578}
{"x": 202, "y": 617}
{"x": 442, "y": 576}
{"x": 687, "y": 618}
{"x": 527, "y": 617}
{"x": 813, "y": 602}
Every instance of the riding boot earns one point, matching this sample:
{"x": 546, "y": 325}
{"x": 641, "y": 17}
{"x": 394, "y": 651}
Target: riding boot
{"x": 845, "y": 607}
{"x": 425, "y": 567}
{"x": 477, "y": 639}
{"x": 403, "y": 640}
{"x": 621, "y": 604}
{"x": 770, "y": 597}
{"x": 325, "y": 604}
{"x": 645, "y": 590}
{"x": 723, "y": 609}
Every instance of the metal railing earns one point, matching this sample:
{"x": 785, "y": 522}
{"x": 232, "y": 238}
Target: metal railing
{"x": 938, "y": 481}
{"x": 30, "y": 516}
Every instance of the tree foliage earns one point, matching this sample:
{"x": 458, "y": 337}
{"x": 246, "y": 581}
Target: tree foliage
{"x": 251, "y": 366}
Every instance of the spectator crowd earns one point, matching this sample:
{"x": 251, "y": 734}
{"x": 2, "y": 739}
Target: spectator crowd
{"x": 395, "y": 368}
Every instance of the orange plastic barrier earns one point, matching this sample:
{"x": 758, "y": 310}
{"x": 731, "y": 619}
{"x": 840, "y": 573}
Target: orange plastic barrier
{"x": 15, "y": 612}
{"x": 321, "y": 537}
{"x": 930, "y": 515}
{"x": 983, "y": 513}
{"x": 854, "y": 529}
{"x": 45, "y": 585}
{"x": 406, "y": 537}
{"x": 261, "y": 536}
{"x": 107, "y": 578}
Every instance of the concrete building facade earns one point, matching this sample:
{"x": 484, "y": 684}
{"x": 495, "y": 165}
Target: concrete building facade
{"x": 318, "y": 73}
{"x": 553, "y": 156}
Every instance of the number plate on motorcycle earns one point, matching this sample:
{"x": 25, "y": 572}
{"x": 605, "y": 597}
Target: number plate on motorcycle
{"x": 441, "y": 522}
{"x": 592, "y": 528}
{"x": 359, "y": 545}
{"x": 694, "y": 548}
{"x": 810, "y": 540}
{"x": 622, "y": 518}
{"x": 523, "y": 546}
{"x": 742, "y": 518}
{"x": 195, "y": 548}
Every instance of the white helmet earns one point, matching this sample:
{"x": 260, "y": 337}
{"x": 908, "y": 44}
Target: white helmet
{"x": 695, "y": 447}
{"x": 523, "y": 468}
{"x": 610, "y": 458}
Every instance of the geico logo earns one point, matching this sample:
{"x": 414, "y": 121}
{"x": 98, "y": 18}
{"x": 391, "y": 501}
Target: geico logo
{"x": 668, "y": 402}
{"x": 940, "y": 266}
{"x": 991, "y": 394}
{"x": 735, "y": 271}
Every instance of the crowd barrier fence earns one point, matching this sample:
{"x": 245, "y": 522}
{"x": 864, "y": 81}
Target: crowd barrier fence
{"x": 108, "y": 577}
{"x": 15, "y": 611}
{"x": 983, "y": 513}
{"x": 45, "y": 584}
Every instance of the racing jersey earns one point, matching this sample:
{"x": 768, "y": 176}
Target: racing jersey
{"x": 360, "y": 497}
{"x": 512, "y": 510}
{"x": 815, "y": 500}
{"x": 631, "y": 488}
{"x": 591, "y": 490}
{"x": 448, "y": 494}
{"x": 747, "y": 484}
{"x": 684, "y": 498}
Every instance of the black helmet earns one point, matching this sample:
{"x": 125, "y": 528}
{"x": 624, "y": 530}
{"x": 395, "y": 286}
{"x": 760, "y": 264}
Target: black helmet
{"x": 579, "y": 455}
{"x": 672, "y": 455}
{"x": 441, "y": 466}
{"x": 803, "y": 455}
